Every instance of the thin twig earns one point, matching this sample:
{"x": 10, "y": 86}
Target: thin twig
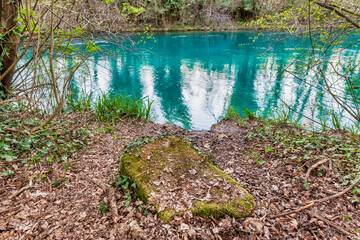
{"x": 330, "y": 223}
{"x": 22, "y": 189}
{"x": 291, "y": 212}
{"x": 338, "y": 194}
{"x": 14, "y": 130}
{"x": 8, "y": 210}
{"x": 13, "y": 213}
{"x": 175, "y": 189}
{"x": 313, "y": 202}
{"x": 18, "y": 192}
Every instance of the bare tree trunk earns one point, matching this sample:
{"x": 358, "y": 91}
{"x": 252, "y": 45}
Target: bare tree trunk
{"x": 196, "y": 11}
{"x": 162, "y": 14}
{"x": 1, "y": 32}
{"x": 10, "y": 43}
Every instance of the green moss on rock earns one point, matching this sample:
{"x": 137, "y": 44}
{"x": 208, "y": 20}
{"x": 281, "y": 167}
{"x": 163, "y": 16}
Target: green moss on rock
{"x": 171, "y": 163}
{"x": 166, "y": 215}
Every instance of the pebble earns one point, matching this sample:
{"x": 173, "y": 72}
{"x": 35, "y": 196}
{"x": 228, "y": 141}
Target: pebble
{"x": 274, "y": 188}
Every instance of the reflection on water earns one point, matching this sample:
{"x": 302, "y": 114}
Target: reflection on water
{"x": 192, "y": 78}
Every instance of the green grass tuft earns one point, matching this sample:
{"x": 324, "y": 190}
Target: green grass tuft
{"x": 113, "y": 107}
{"x": 250, "y": 115}
{"x": 232, "y": 113}
{"x": 335, "y": 120}
{"x": 81, "y": 103}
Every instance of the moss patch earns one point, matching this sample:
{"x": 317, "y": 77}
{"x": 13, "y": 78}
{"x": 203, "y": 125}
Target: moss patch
{"x": 174, "y": 178}
{"x": 167, "y": 215}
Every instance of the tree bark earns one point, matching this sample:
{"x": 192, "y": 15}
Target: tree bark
{"x": 10, "y": 43}
{"x": 196, "y": 11}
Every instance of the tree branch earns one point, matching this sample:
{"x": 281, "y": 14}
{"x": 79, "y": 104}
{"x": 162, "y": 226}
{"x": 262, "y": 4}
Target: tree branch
{"x": 329, "y": 7}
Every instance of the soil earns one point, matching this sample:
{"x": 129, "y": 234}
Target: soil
{"x": 66, "y": 204}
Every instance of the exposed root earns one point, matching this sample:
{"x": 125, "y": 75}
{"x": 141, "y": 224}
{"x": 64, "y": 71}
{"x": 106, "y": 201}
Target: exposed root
{"x": 313, "y": 167}
{"x": 112, "y": 199}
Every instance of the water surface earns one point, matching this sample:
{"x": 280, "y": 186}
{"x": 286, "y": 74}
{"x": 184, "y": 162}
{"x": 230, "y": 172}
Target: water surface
{"x": 193, "y": 77}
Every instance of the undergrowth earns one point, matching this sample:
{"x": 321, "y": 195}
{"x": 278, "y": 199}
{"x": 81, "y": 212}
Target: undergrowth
{"x": 283, "y": 116}
{"x": 281, "y": 137}
{"x": 59, "y": 139}
{"x": 232, "y": 113}
{"x": 306, "y": 148}
{"x": 79, "y": 103}
{"x": 53, "y": 143}
{"x": 110, "y": 107}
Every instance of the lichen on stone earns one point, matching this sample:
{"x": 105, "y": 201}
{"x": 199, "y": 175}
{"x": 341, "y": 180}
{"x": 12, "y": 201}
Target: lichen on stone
{"x": 174, "y": 178}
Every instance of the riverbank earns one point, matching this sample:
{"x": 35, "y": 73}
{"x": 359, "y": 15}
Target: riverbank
{"x": 182, "y": 28}
{"x": 73, "y": 191}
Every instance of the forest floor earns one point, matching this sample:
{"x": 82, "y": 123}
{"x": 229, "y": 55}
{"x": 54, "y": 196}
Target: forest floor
{"x": 283, "y": 167}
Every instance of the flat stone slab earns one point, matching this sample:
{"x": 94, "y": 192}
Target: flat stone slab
{"x": 174, "y": 178}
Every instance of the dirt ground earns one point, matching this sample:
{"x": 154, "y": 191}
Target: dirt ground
{"x": 38, "y": 208}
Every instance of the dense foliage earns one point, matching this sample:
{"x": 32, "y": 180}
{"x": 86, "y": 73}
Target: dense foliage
{"x": 119, "y": 14}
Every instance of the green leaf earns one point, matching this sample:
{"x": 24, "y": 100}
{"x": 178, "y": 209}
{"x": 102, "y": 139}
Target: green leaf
{"x": 103, "y": 207}
{"x": 126, "y": 203}
{"x": 4, "y": 146}
{"x": 128, "y": 194}
{"x": 56, "y": 184}
{"x": 6, "y": 173}
{"x": 9, "y": 158}
{"x": 260, "y": 161}
{"x": 125, "y": 186}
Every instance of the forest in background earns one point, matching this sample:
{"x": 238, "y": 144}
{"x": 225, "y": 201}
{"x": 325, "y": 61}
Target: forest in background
{"x": 119, "y": 15}
{"x": 174, "y": 15}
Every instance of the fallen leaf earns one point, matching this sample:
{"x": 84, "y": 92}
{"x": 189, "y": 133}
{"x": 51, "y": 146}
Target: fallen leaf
{"x": 294, "y": 224}
{"x": 192, "y": 171}
{"x": 255, "y": 224}
{"x": 266, "y": 232}
{"x": 229, "y": 170}
{"x": 184, "y": 227}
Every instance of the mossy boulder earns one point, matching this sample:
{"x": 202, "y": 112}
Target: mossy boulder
{"x": 174, "y": 178}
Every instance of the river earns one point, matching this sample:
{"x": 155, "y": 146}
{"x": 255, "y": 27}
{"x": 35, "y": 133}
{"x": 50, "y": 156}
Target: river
{"x": 193, "y": 77}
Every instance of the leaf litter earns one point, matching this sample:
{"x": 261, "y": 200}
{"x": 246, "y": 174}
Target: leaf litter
{"x": 270, "y": 161}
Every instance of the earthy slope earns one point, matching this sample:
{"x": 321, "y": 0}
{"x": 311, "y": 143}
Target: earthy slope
{"x": 270, "y": 161}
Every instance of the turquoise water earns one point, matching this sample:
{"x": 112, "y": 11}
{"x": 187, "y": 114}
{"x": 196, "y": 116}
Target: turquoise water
{"x": 193, "y": 77}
